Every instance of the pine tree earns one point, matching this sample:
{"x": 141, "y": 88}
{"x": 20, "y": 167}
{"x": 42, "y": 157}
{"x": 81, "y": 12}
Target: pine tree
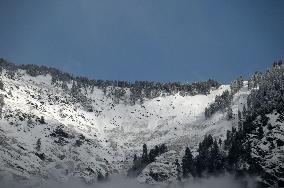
{"x": 145, "y": 154}
{"x": 220, "y": 141}
{"x": 239, "y": 115}
{"x": 75, "y": 89}
{"x": 260, "y": 132}
{"x": 244, "y": 112}
{"x": 100, "y": 176}
{"x": 38, "y": 144}
{"x": 235, "y": 151}
{"x": 187, "y": 163}
{"x": 134, "y": 158}
{"x": 229, "y": 114}
{"x": 10, "y": 93}
{"x": 178, "y": 169}
{"x": 215, "y": 161}
{"x": 2, "y": 103}
{"x": 136, "y": 163}
{"x": 42, "y": 121}
{"x": 64, "y": 86}
{"x": 152, "y": 154}
{"x": 1, "y": 85}
{"x": 236, "y": 85}
{"x": 53, "y": 80}
{"x": 203, "y": 158}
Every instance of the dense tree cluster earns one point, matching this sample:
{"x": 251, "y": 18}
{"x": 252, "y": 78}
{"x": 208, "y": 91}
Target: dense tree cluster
{"x": 237, "y": 153}
{"x": 221, "y": 103}
{"x": 35, "y": 70}
{"x": 139, "y": 163}
{"x": 270, "y": 94}
{"x": 158, "y": 176}
{"x": 113, "y": 88}
{"x": 156, "y": 151}
{"x": 146, "y": 89}
{"x": 210, "y": 159}
{"x": 118, "y": 94}
{"x": 254, "y": 80}
{"x": 79, "y": 97}
{"x": 236, "y": 85}
{"x": 268, "y": 98}
{"x": 215, "y": 157}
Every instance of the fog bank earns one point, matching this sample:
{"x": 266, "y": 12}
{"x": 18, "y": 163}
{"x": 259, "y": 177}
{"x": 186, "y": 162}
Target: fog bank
{"x": 123, "y": 182}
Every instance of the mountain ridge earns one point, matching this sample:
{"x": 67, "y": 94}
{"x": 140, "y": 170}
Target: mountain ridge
{"x": 51, "y": 130}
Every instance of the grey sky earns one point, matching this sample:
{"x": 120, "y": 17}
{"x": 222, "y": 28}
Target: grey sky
{"x": 160, "y": 40}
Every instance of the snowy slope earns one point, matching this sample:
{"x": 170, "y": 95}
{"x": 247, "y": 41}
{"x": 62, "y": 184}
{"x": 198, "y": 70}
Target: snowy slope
{"x": 192, "y": 133}
{"x": 270, "y": 149}
{"x": 80, "y": 143}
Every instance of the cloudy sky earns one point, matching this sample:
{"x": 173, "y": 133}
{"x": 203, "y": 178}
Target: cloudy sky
{"x": 160, "y": 40}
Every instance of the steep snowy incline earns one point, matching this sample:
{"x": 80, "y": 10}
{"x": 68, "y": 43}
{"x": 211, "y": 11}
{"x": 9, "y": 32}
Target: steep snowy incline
{"x": 190, "y": 132}
{"x": 45, "y": 132}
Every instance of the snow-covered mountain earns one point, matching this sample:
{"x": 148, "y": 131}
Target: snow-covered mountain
{"x": 47, "y": 133}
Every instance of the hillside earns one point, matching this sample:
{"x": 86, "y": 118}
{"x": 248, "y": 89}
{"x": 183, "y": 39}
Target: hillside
{"x": 48, "y": 130}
